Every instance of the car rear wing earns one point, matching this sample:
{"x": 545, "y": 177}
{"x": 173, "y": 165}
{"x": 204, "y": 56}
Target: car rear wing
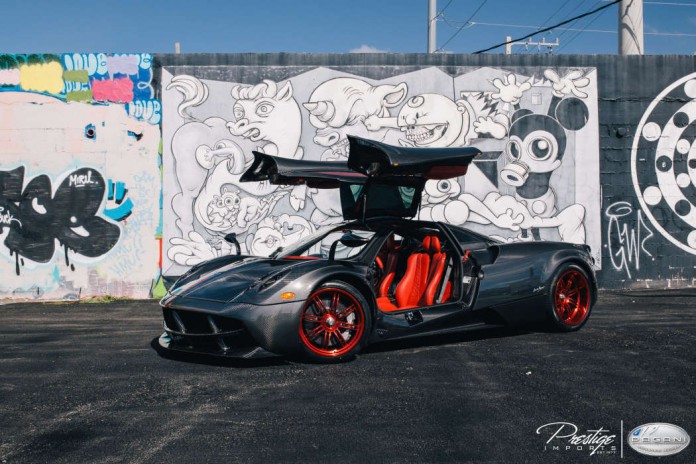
{"x": 376, "y": 159}
{"x": 285, "y": 171}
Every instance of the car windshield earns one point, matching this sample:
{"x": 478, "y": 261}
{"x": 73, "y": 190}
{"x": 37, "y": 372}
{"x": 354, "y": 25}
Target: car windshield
{"x": 318, "y": 245}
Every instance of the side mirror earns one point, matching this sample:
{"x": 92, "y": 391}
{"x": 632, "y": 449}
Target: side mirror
{"x": 232, "y": 238}
{"x": 351, "y": 240}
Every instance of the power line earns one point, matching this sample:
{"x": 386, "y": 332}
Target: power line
{"x": 665, "y": 3}
{"x": 563, "y": 5}
{"x": 443, "y": 10}
{"x": 462, "y": 26}
{"x": 550, "y": 27}
{"x": 577, "y": 34}
{"x": 577, "y": 22}
{"x": 590, "y": 19}
{"x": 670, "y": 3}
{"x": 571, "y": 29}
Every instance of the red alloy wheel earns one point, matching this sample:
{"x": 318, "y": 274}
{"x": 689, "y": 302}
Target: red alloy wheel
{"x": 572, "y": 297}
{"x": 332, "y": 323}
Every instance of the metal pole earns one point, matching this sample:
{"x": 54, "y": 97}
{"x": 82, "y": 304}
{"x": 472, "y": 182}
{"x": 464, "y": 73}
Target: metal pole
{"x": 432, "y": 25}
{"x": 631, "y": 27}
{"x": 177, "y": 47}
{"x": 508, "y": 45}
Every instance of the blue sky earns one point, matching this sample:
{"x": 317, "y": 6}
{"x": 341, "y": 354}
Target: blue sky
{"x": 333, "y": 26}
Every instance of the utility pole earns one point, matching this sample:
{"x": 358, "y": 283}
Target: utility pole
{"x": 432, "y": 25}
{"x": 177, "y": 47}
{"x": 631, "y": 27}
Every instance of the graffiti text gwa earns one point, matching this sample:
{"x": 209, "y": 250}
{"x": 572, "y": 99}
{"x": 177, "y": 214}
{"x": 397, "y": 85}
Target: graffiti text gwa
{"x": 626, "y": 237}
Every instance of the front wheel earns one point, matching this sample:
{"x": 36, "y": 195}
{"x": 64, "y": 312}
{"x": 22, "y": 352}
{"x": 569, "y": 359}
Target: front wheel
{"x": 334, "y": 323}
{"x": 571, "y": 298}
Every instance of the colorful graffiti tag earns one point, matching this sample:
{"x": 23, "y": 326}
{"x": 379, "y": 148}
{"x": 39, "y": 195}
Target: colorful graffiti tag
{"x": 86, "y": 77}
{"x": 77, "y": 143}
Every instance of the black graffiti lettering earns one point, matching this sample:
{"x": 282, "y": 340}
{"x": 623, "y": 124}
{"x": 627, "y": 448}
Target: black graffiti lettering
{"x": 40, "y": 217}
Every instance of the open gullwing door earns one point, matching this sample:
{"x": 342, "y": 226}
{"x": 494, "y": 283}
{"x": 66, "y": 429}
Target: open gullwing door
{"x": 377, "y": 180}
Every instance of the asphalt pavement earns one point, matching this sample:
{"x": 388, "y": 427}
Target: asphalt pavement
{"x": 83, "y": 383}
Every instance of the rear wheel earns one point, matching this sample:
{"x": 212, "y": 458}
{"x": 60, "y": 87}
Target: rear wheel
{"x": 334, "y": 323}
{"x": 571, "y": 298}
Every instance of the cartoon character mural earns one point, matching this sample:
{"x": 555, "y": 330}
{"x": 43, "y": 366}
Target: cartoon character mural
{"x": 266, "y": 113}
{"x": 530, "y": 123}
{"x": 350, "y": 106}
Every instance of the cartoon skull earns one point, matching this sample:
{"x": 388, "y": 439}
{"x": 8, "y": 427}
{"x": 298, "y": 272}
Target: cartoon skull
{"x": 433, "y": 120}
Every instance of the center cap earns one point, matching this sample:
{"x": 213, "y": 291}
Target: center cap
{"x": 330, "y": 321}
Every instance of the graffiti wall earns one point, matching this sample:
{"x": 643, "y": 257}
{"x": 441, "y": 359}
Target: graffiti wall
{"x": 535, "y": 126}
{"x": 119, "y": 170}
{"x": 79, "y": 176}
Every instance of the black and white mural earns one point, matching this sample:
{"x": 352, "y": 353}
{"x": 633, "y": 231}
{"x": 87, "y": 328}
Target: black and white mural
{"x": 537, "y": 179}
{"x": 663, "y": 163}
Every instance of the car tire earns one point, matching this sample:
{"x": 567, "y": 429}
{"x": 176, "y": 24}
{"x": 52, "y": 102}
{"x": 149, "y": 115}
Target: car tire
{"x": 334, "y": 323}
{"x": 570, "y": 298}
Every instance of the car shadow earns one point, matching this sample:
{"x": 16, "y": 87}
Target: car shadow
{"x": 463, "y": 335}
{"x": 217, "y": 360}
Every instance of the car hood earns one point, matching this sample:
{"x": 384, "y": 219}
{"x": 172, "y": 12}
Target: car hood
{"x": 231, "y": 280}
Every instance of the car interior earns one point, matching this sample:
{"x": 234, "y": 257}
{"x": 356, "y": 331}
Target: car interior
{"x": 416, "y": 271}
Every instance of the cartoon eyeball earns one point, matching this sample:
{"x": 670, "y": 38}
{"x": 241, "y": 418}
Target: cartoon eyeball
{"x": 443, "y": 186}
{"x": 231, "y": 201}
{"x": 238, "y": 111}
{"x": 514, "y": 150}
{"x": 538, "y": 151}
{"x": 271, "y": 241}
{"x": 541, "y": 148}
{"x": 264, "y": 109}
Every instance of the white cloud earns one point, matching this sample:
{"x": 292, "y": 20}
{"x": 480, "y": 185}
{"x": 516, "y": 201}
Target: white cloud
{"x": 367, "y": 49}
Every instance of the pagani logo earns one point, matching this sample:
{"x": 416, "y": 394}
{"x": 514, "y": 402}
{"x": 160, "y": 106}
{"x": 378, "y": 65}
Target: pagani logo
{"x": 564, "y": 436}
{"x": 658, "y": 439}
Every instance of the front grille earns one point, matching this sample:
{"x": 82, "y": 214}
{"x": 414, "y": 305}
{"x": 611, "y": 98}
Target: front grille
{"x": 194, "y": 323}
{"x": 206, "y": 332}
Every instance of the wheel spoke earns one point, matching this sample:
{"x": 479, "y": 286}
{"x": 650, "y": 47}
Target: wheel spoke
{"x": 574, "y": 312}
{"x": 326, "y": 340}
{"x": 320, "y": 305}
{"x": 312, "y": 318}
{"x": 334, "y": 303}
{"x": 346, "y": 312}
{"x": 314, "y": 332}
{"x": 346, "y": 326}
{"x": 339, "y": 338}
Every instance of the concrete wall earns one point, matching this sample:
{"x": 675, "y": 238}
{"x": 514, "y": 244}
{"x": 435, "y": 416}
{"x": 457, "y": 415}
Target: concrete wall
{"x": 79, "y": 176}
{"x": 587, "y": 149}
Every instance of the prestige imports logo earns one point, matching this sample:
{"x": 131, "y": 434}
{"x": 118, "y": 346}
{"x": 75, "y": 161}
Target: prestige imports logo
{"x": 564, "y": 436}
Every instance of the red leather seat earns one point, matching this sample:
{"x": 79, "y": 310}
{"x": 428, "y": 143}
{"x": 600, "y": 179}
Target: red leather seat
{"x": 438, "y": 260}
{"x": 391, "y": 259}
{"x": 411, "y": 287}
